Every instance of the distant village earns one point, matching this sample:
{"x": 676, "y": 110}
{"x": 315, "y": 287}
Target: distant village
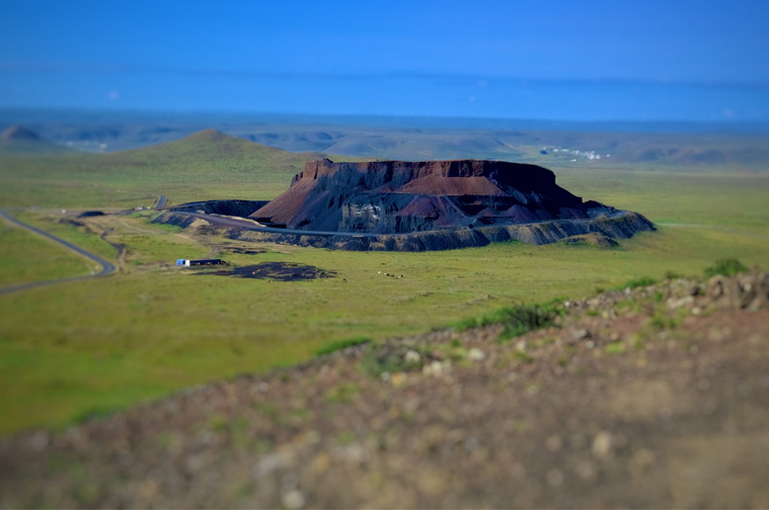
{"x": 574, "y": 153}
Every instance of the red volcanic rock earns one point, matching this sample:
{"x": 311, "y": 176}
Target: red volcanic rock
{"x": 390, "y": 197}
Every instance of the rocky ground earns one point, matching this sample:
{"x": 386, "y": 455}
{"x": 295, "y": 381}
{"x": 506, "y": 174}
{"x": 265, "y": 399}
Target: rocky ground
{"x": 656, "y": 396}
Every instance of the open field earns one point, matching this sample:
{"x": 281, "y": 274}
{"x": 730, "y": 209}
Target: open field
{"x": 654, "y": 397}
{"x": 24, "y": 257}
{"x": 731, "y": 200}
{"x": 112, "y": 342}
{"x": 203, "y": 166}
{"x": 88, "y": 347}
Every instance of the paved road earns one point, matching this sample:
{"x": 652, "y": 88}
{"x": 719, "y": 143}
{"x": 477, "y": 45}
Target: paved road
{"x": 107, "y": 267}
{"x": 161, "y": 202}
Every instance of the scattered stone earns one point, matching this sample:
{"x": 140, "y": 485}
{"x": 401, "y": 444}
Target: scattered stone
{"x": 554, "y": 478}
{"x": 554, "y": 443}
{"x": 413, "y": 358}
{"x": 293, "y": 499}
{"x": 603, "y": 445}
{"x": 580, "y": 334}
{"x": 475, "y": 354}
{"x": 641, "y": 461}
{"x": 586, "y": 471}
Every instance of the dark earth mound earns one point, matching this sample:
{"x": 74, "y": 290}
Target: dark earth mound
{"x": 396, "y": 197}
{"x": 90, "y": 214}
{"x": 225, "y": 207}
{"x": 241, "y": 251}
{"x": 280, "y": 271}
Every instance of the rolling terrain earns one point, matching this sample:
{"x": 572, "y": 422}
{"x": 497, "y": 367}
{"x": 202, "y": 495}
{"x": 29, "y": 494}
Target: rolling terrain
{"x": 686, "y": 146}
{"x": 641, "y": 398}
{"x": 18, "y": 140}
{"x": 207, "y": 164}
{"x": 152, "y": 329}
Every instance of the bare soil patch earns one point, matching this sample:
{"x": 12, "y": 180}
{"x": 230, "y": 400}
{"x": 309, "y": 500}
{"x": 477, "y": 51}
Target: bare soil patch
{"x": 280, "y": 271}
{"x": 243, "y": 251}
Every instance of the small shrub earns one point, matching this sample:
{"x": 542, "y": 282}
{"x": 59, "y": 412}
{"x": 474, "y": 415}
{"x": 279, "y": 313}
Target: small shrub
{"x": 520, "y": 319}
{"x": 522, "y": 356}
{"x": 662, "y": 321}
{"x": 381, "y": 358}
{"x": 96, "y": 413}
{"x": 643, "y": 281}
{"x": 517, "y": 319}
{"x": 725, "y": 267}
{"x": 342, "y": 393}
{"x": 465, "y": 324}
{"x": 338, "y": 345}
{"x": 615, "y": 348}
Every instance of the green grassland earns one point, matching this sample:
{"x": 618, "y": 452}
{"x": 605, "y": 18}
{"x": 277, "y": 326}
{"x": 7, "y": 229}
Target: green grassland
{"x": 25, "y": 257}
{"x": 84, "y": 348}
{"x": 205, "y": 165}
{"x": 729, "y": 200}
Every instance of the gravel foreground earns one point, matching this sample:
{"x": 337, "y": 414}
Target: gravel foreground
{"x": 648, "y": 397}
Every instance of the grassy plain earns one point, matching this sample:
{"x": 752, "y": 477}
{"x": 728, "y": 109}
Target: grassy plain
{"x": 203, "y": 166}
{"x": 87, "y": 347}
{"x": 25, "y": 257}
{"x": 734, "y": 200}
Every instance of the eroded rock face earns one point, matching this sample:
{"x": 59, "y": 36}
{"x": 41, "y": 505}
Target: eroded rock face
{"x": 397, "y": 197}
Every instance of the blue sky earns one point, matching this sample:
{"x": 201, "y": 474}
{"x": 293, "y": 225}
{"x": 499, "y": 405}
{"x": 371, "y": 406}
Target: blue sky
{"x": 588, "y": 60}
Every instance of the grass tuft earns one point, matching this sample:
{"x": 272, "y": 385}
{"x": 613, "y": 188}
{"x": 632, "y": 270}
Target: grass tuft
{"x": 725, "y": 267}
{"x": 341, "y": 344}
{"x": 643, "y": 281}
{"x": 516, "y": 319}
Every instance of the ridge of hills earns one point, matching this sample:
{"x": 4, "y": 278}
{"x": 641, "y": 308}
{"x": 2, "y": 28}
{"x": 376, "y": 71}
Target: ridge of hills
{"x": 20, "y": 140}
{"x": 206, "y": 164}
{"x": 18, "y": 132}
{"x": 520, "y": 142}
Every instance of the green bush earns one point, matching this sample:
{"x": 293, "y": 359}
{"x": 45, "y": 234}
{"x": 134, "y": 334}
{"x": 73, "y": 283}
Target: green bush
{"x": 517, "y": 319}
{"x": 643, "y": 281}
{"x": 391, "y": 358}
{"x": 725, "y": 267}
{"x": 338, "y": 345}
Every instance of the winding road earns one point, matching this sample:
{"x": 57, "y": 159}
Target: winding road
{"x": 107, "y": 267}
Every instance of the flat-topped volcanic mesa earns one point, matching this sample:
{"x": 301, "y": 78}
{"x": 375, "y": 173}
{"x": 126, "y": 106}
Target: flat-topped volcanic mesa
{"x": 395, "y": 197}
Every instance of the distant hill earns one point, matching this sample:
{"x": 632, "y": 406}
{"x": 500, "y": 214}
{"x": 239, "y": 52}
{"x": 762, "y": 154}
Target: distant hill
{"x": 18, "y": 139}
{"x": 206, "y": 157}
{"x": 205, "y": 165}
{"x": 553, "y": 144}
